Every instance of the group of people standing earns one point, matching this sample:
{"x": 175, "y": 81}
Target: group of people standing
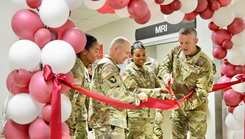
{"x": 185, "y": 68}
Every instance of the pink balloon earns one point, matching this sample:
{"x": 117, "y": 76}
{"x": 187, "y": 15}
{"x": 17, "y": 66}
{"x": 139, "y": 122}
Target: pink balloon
{"x": 214, "y": 5}
{"x": 224, "y": 79}
{"x": 237, "y": 26}
{"x": 118, "y": 4}
{"x": 16, "y": 131}
{"x": 232, "y": 98}
{"x": 46, "y": 112}
{"x": 40, "y": 90}
{"x": 231, "y": 108}
{"x": 65, "y": 88}
{"x": 224, "y": 3}
{"x": 207, "y": 13}
{"x": 239, "y": 69}
{"x": 243, "y": 98}
{"x": 212, "y": 26}
{"x": 76, "y": 38}
{"x": 106, "y": 8}
{"x": 137, "y": 8}
{"x": 219, "y": 52}
{"x": 21, "y": 77}
{"x": 54, "y": 35}
{"x": 228, "y": 69}
{"x": 220, "y": 35}
{"x": 39, "y": 129}
{"x": 65, "y": 128}
{"x": 33, "y": 3}
{"x": 165, "y": 9}
{"x": 227, "y": 44}
{"x": 159, "y": 1}
{"x": 202, "y": 5}
{"x": 175, "y": 5}
{"x": 65, "y": 136}
{"x": 145, "y": 19}
{"x": 25, "y": 24}
{"x": 190, "y": 16}
{"x": 61, "y": 30}
{"x": 42, "y": 37}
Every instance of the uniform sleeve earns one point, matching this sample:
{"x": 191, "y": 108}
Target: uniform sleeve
{"x": 203, "y": 86}
{"x": 165, "y": 69}
{"x": 131, "y": 85}
{"x": 113, "y": 88}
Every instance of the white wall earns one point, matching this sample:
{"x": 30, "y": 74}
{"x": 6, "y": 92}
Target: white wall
{"x": 7, "y": 38}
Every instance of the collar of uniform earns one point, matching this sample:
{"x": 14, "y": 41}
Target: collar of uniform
{"x": 107, "y": 56}
{"x": 138, "y": 68}
{"x": 192, "y": 59}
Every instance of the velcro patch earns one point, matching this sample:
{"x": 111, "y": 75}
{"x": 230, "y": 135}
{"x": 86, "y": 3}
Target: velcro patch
{"x": 106, "y": 73}
{"x": 77, "y": 81}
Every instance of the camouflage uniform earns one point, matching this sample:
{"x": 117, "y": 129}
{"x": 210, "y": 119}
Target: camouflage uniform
{"x": 77, "y": 122}
{"x": 190, "y": 73}
{"x": 108, "y": 121}
{"x": 141, "y": 121}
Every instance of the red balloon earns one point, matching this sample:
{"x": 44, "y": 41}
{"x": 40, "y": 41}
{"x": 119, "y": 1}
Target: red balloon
{"x": 220, "y": 35}
{"x": 33, "y": 3}
{"x": 39, "y": 129}
{"x": 165, "y": 9}
{"x": 207, "y": 13}
{"x": 118, "y": 4}
{"x": 159, "y": 1}
{"x": 191, "y": 16}
{"x": 137, "y": 8}
{"x": 228, "y": 69}
{"x": 21, "y": 77}
{"x": 46, "y": 112}
{"x": 112, "y": 11}
{"x": 16, "y": 131}
{"x": 232, "y": 98}
{"x": 214, "y": 5}
{"x": 105, "y": 8}
{"x": 202, "y": 5}
{"x": 175, "y": 5}
{"x": 224, "y": 3}
{"x": 231, "y": 108}
{"x": 145, "y": 19}
{"x": 61, "y": 30}
{"x": 219, "y": 52}
{"x": 25, "y": 23}
{"x": 54, "y": 35}
{"x": 212, "y": 26}
{"x": 225, "y": 79}
{"x": 76, "y": 38}
{"x": 65, "y": 88}
{"x": 237, "y": 26}
{"x": 227, "y": 44}
{"x": 42, "y": 37}
{"x": 243, "y": 98}
{"x": 239, "y": 69}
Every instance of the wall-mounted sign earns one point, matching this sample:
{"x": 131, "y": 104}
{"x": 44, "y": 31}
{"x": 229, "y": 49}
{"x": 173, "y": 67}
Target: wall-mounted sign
{"x": 100, "y": 52}
{"x": 161, "y": 29}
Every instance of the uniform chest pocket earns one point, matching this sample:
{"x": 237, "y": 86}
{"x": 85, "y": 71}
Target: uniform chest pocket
{"x": 191, "y": 76}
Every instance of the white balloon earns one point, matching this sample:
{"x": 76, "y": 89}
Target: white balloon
{"x": 74, "y": 4}
{"x": 238, "y": 8}
{"x": 54, "y": 13}
{"x": 238, "y": 134}
{"x": 60, "y": 55}
{"x": 166, "y": 2}
{"x": 240, "y": 87}
{"x": 20, "y": 4}
{"x": 122, "y": 12}
{"x": 174, "y": 18}
{"x": 155, "y": 10}
{"x": 232, "y": 124}
{"x": 238, "y": 113}
{"x": 236, "y": 55}
{"x": 224, "y": 16}
{"x": 65, "y": 108}
{"x": 188, "y": 6}
{"x": 238, "y": 40}
{"x": 24, "y": 54}
{"x": 23, "y": 109}
{"x": 94, "y": 5}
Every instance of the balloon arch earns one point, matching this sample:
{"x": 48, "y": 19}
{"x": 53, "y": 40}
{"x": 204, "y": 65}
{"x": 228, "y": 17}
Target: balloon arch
{"x": 42, "y": 33}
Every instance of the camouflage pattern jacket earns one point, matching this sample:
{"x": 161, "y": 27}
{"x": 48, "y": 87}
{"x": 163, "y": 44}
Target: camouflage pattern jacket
{"x": 190, "y": 73}
{"x": 144, "y": 79}
{"x": 107, "y": 81}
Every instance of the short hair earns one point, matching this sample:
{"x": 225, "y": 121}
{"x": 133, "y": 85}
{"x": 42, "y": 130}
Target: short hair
{"x": 120, "y": 41}
{"x": 137, "y": 45}
{"x": 90, "y": 40}
{"x": 188, "y": 30}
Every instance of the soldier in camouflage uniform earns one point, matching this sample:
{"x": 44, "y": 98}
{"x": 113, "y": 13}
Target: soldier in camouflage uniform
{"x": 139, "y": 76}
{"x": 77, "y": 122}
{"x": 191, "y": 69}
{"x": 108, "y": 121}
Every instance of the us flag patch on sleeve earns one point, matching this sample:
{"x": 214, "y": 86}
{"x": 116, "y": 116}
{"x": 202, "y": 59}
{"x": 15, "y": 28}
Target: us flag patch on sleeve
{"x": 125, "y": 76}
{"x": 106, "y": 73}
{"x": 77, "y": 81}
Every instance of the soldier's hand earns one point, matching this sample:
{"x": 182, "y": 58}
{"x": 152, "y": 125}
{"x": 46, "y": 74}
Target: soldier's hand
{"x": 168, "y": 81}
{"x": 143, "y": 97}
{"x": 164, "y": 90}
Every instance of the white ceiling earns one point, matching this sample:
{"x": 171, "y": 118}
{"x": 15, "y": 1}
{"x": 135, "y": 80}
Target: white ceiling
{"x": 87, "y": 19}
